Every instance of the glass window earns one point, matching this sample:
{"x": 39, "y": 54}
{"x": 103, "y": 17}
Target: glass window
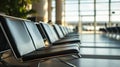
{"x": 115, "y": 0}
{"x": 86, "y": 13}
{"x": 87, "y": 19}
{"x": 102, "y": 18}
{"x": 86, "y": 7}
{"x": 102, "y": 6}
{"x": 102, "y": 1}
{"x": 74, "y": 13}
{"x": 87, "y": 10}
{"x": 71, "y": 18}
{"x": 71, "y": 7}
{"x": 115, "y": 6}
{"x": 71, "y": 1}
{"x": 103, "y": 13}
{"x": 115, "y": 18}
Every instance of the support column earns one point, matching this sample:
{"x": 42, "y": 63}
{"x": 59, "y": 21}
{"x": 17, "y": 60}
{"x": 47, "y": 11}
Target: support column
{"x": 50, "y": 10}
{"x": 59, "y": 11}
{"x": 41, "y": 7}
{"x": 95, "y": 23}
{"x": 109, "y": 22}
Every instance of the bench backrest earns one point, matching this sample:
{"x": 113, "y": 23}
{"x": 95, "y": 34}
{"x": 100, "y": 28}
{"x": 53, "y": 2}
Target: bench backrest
{"x": 35, "y": 34}
{"x": 58, "y": 31}
{"x": 49, "y": 34}
{"x": 53, "y": 31}
{"x": 18, "y": 36}
{"x": 62, "y": 29}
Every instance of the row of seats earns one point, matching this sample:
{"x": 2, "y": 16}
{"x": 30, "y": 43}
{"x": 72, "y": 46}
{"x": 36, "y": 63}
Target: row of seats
{"x": 53, "y": 38}
{"x": 30, "y": 40}
{"x": 112, "y": 32}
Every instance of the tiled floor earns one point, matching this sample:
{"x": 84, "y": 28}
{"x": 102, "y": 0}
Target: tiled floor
{"x": 101, "y": 44}
{"x": 96, "y": 52}
{"x": 99, "y": 52}
{"x": 83, "y": 62}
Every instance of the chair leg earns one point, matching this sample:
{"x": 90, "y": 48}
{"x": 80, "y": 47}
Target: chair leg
{"x": 67, "y": 63}
{"x": 39, "y": 64}
{"x": 79, "y": 45}
{"x": 77, "y": 56}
